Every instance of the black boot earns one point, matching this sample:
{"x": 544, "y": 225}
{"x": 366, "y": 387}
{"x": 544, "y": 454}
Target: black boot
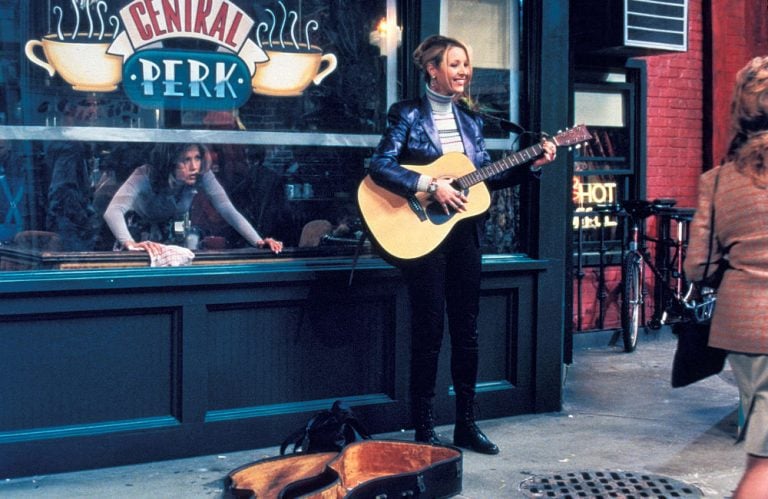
{"x": 424, "y": 422}
{"x": 466, "y": 433}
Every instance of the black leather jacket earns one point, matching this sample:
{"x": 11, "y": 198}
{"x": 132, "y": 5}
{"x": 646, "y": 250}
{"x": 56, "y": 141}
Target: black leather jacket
{"x": 412, "y": 138}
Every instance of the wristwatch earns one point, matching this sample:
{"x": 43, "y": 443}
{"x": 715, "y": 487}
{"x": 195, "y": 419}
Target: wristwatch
{"x": 432, "y": 187}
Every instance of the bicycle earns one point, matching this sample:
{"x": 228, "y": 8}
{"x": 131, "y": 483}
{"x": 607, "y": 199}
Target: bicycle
{"x": 672, "y": 292}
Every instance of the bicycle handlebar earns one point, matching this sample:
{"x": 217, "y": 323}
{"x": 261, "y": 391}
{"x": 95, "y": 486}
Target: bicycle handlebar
{"x": 636, "y": 208}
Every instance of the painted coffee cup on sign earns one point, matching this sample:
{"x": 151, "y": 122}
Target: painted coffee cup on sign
{"x": 83, "y": 63}
{"x": 289, "y": 71}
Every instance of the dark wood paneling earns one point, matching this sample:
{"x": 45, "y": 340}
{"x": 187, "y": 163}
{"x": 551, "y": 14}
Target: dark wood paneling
{"x": 318, "y": 347}
{"x": 118, "y": 372}
{"x": 72, "y": 370}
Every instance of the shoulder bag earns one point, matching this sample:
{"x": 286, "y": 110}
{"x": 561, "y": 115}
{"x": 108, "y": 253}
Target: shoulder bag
{"x": 694, "y": 359}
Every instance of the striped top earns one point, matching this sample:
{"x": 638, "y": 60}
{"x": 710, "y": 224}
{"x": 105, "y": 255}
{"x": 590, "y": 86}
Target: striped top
{"x": 445, "y": 121}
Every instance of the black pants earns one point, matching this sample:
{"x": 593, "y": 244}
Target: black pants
{"x": 446, "y": 280}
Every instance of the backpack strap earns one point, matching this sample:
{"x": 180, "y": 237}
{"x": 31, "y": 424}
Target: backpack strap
{"x": 297, "y": 438}
{"x": 358, "y": 428}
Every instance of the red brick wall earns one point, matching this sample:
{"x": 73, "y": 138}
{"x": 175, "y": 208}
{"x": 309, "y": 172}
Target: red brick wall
{"x": 688, "y": 110}
{"x": 675, "y": 110}
{"x": 688, "y": 125}
{"x": 680, "y": 119}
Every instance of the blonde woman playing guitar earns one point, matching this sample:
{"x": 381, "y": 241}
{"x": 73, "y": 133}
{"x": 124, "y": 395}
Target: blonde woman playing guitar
{"x": 411, "y": 226}
{"x": 446, "y": 277}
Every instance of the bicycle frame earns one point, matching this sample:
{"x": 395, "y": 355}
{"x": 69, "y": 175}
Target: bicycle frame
{"x": 633, "y": 283}
{"x": 670, "y": 286}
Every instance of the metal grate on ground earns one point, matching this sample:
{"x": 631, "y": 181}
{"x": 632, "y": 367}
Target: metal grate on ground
{"x": 605, "y": 485}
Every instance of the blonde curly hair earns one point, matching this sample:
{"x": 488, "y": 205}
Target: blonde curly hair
{"x": 749, "y": 113}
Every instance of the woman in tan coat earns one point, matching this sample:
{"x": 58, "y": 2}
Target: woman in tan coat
{"x": 739, "y": 190}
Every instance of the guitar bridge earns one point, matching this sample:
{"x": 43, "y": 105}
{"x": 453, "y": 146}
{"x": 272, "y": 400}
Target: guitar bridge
{"x": 416, "y": 207}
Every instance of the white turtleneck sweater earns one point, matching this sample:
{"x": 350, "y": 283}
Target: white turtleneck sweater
{"x": 447, "y": 128}
{"x": 442, "y": 111}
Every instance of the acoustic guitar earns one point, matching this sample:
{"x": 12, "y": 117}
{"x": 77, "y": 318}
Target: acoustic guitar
{"x": 410, "y": 227}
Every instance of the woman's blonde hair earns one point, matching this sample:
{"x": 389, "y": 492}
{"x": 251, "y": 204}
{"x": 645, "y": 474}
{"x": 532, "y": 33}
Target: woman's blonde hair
{"x": 749, "y": 112}
{"x": 433, "y": 50}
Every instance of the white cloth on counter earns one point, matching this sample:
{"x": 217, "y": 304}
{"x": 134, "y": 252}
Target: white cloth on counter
{"x": 172, "y": 256}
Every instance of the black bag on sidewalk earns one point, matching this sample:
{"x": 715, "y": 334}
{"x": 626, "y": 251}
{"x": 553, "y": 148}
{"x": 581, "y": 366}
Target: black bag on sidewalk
{"x": 327, "y": 431}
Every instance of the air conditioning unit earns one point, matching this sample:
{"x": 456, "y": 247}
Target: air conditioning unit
{"x": 629, "y": 28}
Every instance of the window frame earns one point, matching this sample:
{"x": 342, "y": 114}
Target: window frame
{"x": 631, "y": 182}
{"x": 399, "y": 81}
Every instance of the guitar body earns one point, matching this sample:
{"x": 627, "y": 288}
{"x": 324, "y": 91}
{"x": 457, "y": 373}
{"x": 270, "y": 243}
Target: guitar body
{"x": 409, "y": 228}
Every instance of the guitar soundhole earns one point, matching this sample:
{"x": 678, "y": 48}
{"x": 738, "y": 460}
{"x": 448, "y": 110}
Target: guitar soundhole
{"x": 437, "y": 215}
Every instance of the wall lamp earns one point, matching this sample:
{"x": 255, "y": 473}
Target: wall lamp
{"x": 386, "y": 33}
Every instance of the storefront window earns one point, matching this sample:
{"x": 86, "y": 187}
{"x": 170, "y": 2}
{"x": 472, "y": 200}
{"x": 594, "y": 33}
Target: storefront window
{"x": 604, "y": 167}
{"x": 289, "y": 98}
{"x": 293, "y": 65}
{"x": 491, "y": 28}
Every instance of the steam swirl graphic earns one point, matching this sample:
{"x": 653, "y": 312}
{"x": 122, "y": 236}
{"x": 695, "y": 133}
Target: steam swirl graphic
{"x": 113, "y": 20}
{"x": 101, "y": 8}
{"x": 59, "y": 34}
{"x": 77, "y": 18}
{"x": 314, "y": 25}
{"x": 294, "y": 44}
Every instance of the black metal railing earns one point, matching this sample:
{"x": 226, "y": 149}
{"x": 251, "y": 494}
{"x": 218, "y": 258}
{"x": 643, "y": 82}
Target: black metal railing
{"x": 602, "y": 251}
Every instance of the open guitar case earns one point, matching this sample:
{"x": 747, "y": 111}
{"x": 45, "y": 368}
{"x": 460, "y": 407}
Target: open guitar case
{"x": 365, "y": 469}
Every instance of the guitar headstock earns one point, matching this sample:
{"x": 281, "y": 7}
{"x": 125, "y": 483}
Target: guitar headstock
{"x": 571, "y": 136}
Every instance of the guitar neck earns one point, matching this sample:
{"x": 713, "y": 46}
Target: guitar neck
{"x": 499, "y": 166}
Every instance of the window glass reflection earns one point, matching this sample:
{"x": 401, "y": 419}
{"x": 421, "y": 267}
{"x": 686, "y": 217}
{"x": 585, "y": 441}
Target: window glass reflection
{"x": 54, "y": 196}
{"x": 609, "y": 149}
{"x": 276, "y": 65}
{"x": 288, "y": 158}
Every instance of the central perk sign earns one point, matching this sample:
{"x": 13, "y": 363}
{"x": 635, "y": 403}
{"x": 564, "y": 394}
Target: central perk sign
{"x": 180, "y": 79}
{"x": 186, "y": 80}
{"x": 156, "y": 74}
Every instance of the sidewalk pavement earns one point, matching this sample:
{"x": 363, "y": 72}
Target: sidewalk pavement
{"x": 619, "y": 415}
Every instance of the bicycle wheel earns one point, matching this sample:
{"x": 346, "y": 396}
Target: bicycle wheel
{"x": 631, "y": 299}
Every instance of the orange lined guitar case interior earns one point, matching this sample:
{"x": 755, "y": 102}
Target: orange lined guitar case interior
{"x": 364, "y": 469}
